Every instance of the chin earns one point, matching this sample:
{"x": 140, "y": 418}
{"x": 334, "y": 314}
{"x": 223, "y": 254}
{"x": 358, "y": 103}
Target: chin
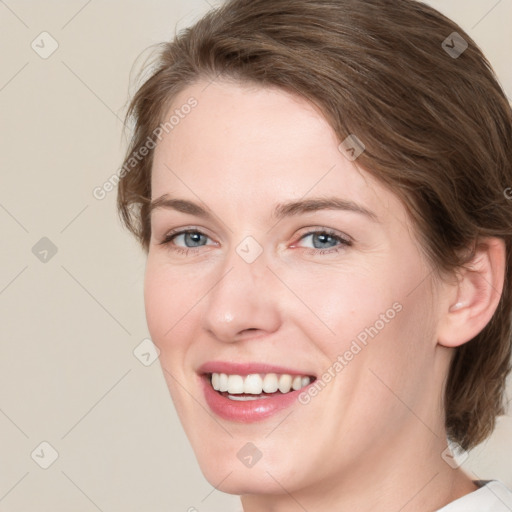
{"x": 255, "y": 480}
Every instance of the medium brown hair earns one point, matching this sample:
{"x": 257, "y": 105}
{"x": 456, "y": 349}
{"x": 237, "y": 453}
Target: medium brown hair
{"x": 436, "y": 126}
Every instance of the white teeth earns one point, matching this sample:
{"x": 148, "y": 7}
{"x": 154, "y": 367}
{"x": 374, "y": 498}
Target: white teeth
{"x": 235, "y": 384}
{"x": 256, "y": 384}
{"x": 253, "y": 384}
{"x": 270, "y": 383}
{"x": 297, "y": 383}
{"x": 245, "y": 398}
{"x": 285, "y": 383}
{"x": 223, "y": 382}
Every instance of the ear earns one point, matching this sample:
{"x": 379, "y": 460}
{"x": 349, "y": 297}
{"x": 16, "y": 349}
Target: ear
{"x": 471, "y": 303}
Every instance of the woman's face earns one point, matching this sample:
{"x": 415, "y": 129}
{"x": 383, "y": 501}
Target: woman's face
{"x": 258, "y": 287}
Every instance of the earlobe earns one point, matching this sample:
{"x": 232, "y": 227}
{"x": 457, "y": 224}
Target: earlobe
{"x": 476, "y": 295}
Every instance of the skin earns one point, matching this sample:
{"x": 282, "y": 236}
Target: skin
{"x": 372, "y": 438}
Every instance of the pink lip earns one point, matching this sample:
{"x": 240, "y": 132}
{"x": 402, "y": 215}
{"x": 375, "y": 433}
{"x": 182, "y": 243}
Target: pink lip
{"x": 246, "y": 368}
{"x": 251, "y": 410}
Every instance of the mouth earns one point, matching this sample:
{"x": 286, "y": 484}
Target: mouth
{"x": 248, "y": 397}
{"x": 256, "y": 386}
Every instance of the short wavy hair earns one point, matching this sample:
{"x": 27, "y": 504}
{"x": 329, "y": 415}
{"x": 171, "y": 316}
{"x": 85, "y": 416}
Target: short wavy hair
{"x": 435, "y": 123}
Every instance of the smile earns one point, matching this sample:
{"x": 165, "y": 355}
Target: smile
{"x": 247, "y": 393}
{"x": 237, "y": 387}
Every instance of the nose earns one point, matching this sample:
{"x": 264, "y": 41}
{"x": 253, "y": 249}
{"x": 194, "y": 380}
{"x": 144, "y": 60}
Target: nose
{"x": 243, "y": 300}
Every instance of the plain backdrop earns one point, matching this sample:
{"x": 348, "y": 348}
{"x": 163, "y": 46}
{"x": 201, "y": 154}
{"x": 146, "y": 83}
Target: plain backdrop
{"x": 71, "y": 302}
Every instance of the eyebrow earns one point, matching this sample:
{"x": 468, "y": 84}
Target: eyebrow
{"x": 280, "y": 211}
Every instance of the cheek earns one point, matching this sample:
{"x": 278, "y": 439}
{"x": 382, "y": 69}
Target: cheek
{"x": 169, "y": 316}
{"x": 380, "y": 307}
{"x": 168, "y": 302}
{"x": 156, "y": 304}
{"x": 342, "y": 303}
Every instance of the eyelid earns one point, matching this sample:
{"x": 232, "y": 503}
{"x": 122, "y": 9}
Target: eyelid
{"x": 168, "y": 235}
{"x": 329, "y": 231}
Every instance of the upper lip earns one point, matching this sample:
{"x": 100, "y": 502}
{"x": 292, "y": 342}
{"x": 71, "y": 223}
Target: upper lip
{"x": 248, "y": 368}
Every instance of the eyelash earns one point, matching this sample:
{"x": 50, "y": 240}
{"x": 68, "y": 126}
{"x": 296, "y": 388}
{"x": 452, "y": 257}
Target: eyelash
{"x": 344, "y": 242}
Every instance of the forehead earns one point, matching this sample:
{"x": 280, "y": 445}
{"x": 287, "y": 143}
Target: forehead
{"x": 230, "y": 118}
{"x": 264, "y": 143}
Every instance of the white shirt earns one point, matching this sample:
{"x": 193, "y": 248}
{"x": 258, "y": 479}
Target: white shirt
{"x": 492, "y": 496}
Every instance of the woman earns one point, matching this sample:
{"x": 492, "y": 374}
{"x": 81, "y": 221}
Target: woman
{"x": 320, "y": 188}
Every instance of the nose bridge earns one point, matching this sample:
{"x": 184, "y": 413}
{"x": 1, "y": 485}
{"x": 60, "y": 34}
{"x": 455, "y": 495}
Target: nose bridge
{"x": 241, "y": 297}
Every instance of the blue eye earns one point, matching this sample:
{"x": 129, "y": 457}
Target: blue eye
{"x": 191, "y": 235}
{"x": 192, "y": 239}
{"x": 323, "y": 237}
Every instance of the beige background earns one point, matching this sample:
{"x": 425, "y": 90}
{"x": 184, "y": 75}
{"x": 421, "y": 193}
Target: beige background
{"x": 68, "y": 374}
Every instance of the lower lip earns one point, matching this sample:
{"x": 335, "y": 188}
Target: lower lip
{"x": 250, "y": 410}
